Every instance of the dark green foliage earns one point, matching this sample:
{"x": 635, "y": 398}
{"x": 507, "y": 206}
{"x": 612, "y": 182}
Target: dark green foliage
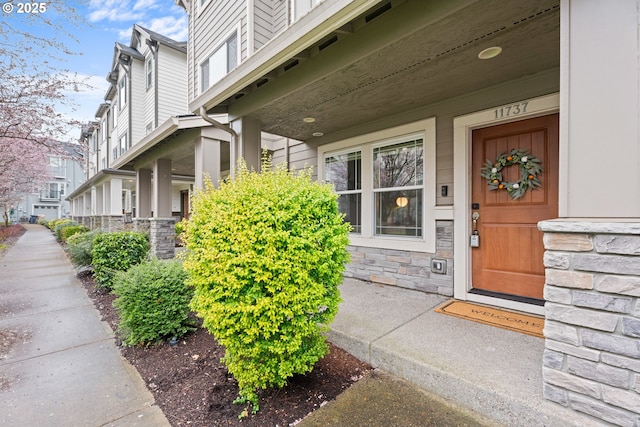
{"x": 153, "y": 302}
{"x": 265, "y": 254}
{"x": 117, "y": 251}
{"x": 79, "y": 247}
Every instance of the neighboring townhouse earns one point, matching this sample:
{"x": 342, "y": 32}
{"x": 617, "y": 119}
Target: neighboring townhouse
{"x": 483, "y": 150}
{"x": 145, "y": 105}
{"x": 67, "y": 166}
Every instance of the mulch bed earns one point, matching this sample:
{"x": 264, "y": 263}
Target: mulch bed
{"x": 193, "y": 388}
{"x": 9, "y": 235}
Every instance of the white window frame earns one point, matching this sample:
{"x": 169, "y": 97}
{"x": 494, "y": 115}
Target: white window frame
{"x": 103, "y": 128}
{"x": 148, "y": 64}
{"x": 122, "y": 92}
{"x": 206, "y": 59}
{"x": 420, "y": 187}
{"x": 350, "y": 150}
{"x": 425, "y": 129}
{"x": 122, "y": 144}
{"x": 202, "y": 5}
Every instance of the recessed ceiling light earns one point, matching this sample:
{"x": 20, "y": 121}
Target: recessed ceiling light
{"x": 317, "y": 134}
{"x": 490, "y": 52}
{"x": 309, "y": 120}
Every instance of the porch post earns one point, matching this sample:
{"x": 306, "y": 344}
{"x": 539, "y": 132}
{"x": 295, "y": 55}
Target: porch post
{"x": 249, "y": 141}
{"x": 143, "y": 193}
{"x": 591, "y": 362}
{"x": 162, "y": 188}
{"x": 599, "y": 109}
{"x": 207, "y": 158}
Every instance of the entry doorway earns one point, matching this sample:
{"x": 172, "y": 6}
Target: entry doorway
{"x": 508, "y": 262}
{"x": 465, "y": 287}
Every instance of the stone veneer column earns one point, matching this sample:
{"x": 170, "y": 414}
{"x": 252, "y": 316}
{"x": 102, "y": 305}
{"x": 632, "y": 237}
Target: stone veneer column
{"x": 112, "y": 223}
{"x": 162, "y": 236}
{"x": 591, "y": 361}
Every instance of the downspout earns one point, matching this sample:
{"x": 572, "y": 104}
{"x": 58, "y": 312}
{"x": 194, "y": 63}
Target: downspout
{"x": 154, "y": 46}
{"x": 228, "y": 129}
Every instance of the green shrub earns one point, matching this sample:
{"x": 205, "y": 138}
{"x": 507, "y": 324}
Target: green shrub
{"x": 80, "y": 246}
{"x": 153, "y": 302}
{"x": 54, "y": 222}
{"x": 60, "y": 225}
{"x": 70, "y": 230}
{"x": 265, "y": 255}
{"x": 117, "y": 251}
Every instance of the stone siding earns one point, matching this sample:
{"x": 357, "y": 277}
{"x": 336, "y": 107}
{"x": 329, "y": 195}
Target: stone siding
{"x": 406, "y": 269}
{"x": 591, "y": 361}
{"x": 162, "y": 236}
{"x": 110, "y": 223}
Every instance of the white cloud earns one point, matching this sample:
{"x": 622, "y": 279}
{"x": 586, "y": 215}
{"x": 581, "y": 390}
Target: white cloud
{"x": 145, "y": 5}
{"x": 170, "y": 26}
{"x": 113, "y": 10}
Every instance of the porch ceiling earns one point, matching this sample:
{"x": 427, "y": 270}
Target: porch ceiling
{"x": 409, "y": 57}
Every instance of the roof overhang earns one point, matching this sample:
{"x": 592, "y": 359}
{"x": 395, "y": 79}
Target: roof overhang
{"x": 358, "y": 63}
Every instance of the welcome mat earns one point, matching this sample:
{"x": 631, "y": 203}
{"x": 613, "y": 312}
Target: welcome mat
{"x": 523, "y": 323}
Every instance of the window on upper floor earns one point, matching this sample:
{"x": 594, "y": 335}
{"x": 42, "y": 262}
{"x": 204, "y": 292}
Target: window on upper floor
{"x": 53, "y": 191}
{"x": 300, "y": 8}
{"x": 103, "y": 128}
{"x": 123, "y": 144}
{"x": 149, "y": 72}
{"x": 122, "y": 92}
{"x": 220, "y": 62}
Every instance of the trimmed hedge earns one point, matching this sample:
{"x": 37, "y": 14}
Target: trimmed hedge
{"x": 265, "y": 254}
{"x": 153, "y": 302}
{"x": 118, "y": 251}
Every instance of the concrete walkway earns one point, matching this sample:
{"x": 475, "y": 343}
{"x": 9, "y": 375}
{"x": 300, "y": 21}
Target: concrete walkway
{"x": 62, "y": 368}
{"x": 493, "y": 372}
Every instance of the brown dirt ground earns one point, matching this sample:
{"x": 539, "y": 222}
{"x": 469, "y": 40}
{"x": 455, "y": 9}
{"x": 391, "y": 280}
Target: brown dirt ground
{"x": 193, "y": 388}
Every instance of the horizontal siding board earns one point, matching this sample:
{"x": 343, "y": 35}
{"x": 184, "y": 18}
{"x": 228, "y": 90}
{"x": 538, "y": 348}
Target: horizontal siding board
{"x": 172, "y": 84}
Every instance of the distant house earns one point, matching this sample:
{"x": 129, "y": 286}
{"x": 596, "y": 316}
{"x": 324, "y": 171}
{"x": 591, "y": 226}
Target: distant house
{"x": 67, "y": 166}
{"x": 486, "y": 151}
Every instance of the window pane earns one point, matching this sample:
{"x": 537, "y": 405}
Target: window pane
{"x": 343, "y": 171}
{"x": 232, "y": 53}
{"x": 398, "y": 165}
{"x": 399, "y": 213}
{"x": 350, "y": 205}
{"x": 204, "y": 75}
{"x": 217, "y": 65}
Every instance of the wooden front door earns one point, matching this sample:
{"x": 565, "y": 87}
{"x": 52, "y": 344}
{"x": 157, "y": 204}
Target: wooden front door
{"x": 509, "y": 259}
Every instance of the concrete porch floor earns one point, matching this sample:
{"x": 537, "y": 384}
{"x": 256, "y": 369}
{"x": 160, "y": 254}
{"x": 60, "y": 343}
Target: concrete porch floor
{"x": 495, "y": 372}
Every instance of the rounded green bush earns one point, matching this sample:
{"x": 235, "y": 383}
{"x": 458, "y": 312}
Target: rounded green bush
{"x": 61, "y": 224}
{"x": 153, "y": 302}
{"x": 265, "y": 255}
{"x": 71, "y": 229}
{"x": 79, "y": 247}
{"x": 117, "y": 251}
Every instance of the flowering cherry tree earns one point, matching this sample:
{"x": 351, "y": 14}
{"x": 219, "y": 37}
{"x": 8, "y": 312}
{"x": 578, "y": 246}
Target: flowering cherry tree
{"x": 33, "y": 86}
{"x": 24, "y": 167}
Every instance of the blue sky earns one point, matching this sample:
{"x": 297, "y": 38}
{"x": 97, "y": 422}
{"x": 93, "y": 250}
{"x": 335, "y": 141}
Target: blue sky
{"x": 106, "y": 22}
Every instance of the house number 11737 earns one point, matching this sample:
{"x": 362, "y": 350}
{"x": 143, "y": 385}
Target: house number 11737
{"x": 511, "y": 110}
